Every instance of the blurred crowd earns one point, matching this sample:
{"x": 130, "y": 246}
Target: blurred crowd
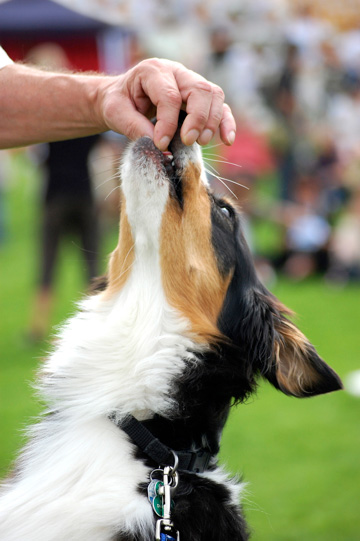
{"x": 293, "y": 82}
{"x": 292, "y": 79}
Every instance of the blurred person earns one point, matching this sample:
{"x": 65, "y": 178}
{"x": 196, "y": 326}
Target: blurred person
{"x": 308, "y": 33}
{"x": 343, "y": 117}
{"x": 218, "y": 65}
{"x": 345, "y": 244}
{"x": 349, "y": 50}
{"x": 240, "y": 69}
{"x": 285, "y": 135}
{"x": 58, "y": 106}
{"x": 307, "y": 233}
{"x": 329, "y": 175}
{"x": 68, "y": 203}
{"x": 334, "y": 69}
{"x": 68, "y": 207}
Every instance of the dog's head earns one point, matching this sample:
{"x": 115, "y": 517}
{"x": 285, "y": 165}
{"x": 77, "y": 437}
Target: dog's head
{"x": 171, "y": 217}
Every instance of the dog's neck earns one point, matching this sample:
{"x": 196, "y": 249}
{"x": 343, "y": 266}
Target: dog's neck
{"x": 121, "y": 353}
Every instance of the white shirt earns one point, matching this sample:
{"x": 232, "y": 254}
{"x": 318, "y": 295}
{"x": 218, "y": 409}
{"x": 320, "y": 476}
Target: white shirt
{"x": 4, "y": 59}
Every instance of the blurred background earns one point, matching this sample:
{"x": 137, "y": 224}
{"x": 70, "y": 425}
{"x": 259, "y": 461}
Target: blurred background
{"x": 290, "y": 70}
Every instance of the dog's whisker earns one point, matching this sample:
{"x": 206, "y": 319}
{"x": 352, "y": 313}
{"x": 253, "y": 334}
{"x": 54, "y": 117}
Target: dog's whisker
{"x": 111, "y": 191}
{"x": 210, "y": 154}
{"x": 108, "y": 179}
{"x": 213, "y": 168}
{"x": 204, "y": 149}
{"x": 125, "y": 258}
{"x": 226, "y": 162}
{"x": 231, "y": 181}
{"x": 222, "y": 182}
{"x": 125, "y": 271}
{"x": 215, "y": 173}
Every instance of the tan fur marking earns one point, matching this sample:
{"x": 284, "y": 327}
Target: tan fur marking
{"x": 191, "y": 279}
{"x": 294, "y": 371}
{"x": 122, "y": 258}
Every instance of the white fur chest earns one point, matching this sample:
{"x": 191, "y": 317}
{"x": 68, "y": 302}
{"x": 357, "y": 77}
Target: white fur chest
{"x": 121, "y": 354}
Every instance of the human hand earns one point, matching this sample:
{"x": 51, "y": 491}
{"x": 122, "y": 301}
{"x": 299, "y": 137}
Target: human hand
{"x": 162, "y": 88}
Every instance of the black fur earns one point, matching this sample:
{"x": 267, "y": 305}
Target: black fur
{"x": 251, "y": 321}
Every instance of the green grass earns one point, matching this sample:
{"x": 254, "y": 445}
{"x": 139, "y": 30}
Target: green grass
{"x": 300, "y": 458}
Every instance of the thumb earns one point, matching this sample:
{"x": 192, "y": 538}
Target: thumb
{"x": 130, "y": 122}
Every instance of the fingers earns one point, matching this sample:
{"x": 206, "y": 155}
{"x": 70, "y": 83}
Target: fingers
{"x": 167, "y": 115}
{"x": 161, "y": 87}
{"x": 227, "y": 126}
{"x": 169, "y": 85}
{"x": 206, "y": 110}
{"x": 122, "y": 115}
{"x": 203, "y": 116}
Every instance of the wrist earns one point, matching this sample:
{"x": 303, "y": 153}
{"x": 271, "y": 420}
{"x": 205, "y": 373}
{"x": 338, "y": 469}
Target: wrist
{"x": 105, "y": 97}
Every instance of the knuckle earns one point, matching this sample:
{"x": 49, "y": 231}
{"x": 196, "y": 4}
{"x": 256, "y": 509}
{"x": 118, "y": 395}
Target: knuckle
{"x": 218, "y": 93}
{"x": 201, "y": 117}
{"x": 149, "y": 66}
{"x": 155, "y": 63}
{"x": 226, "y": 109}
{"x": 204, "y": 86}
{"x": 216, "y": 118}
{"x": 173, "y": 97}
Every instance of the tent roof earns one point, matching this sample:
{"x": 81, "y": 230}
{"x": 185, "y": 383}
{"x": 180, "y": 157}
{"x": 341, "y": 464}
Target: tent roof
{"x": 43, "y": 16}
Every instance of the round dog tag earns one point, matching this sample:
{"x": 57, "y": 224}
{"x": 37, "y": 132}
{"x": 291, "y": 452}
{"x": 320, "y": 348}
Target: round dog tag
{"x": 157, "y": 505}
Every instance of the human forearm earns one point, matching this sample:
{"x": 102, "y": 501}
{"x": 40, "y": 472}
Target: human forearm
{"x": 38, "y": 106}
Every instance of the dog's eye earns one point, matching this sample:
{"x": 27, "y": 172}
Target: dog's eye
{"x": 226, "y": 211}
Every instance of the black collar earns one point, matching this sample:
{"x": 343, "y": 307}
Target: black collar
{"x": 189, "y": 461}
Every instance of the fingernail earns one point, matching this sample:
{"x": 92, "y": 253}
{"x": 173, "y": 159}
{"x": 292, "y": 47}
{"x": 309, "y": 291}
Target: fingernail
{"x": 191, "y": 136}
{"x": 231, "y": 137}
{"x": 205, "y": 137}
{"x": 164, "y": 142}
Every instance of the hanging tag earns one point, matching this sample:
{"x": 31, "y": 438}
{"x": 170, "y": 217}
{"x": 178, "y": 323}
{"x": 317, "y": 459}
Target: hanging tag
{"x": 155, "y": 498}
{"x": 162, "y": 490}
{"x": 154, "y": 489}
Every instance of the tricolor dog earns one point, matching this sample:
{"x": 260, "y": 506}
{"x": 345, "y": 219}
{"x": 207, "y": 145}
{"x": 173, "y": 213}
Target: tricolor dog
{"x": 141, "y": 379}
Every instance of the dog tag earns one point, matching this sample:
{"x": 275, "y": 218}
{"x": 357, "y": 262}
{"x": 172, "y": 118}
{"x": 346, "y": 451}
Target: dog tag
{"x": 158, "y": 507}
{"x": 154, "y": 489}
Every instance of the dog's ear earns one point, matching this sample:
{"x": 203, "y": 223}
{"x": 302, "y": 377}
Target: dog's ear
{"x": 266, "y": 339}
{"x": 294, "y": 366}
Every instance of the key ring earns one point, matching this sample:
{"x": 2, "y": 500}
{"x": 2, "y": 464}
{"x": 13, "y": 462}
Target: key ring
{"x": 176, "y": 461}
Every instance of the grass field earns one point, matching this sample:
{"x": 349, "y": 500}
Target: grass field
{"x": 300, "y": 458}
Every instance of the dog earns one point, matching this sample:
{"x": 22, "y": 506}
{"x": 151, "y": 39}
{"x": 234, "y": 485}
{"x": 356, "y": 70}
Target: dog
{"x": 141, "y": 380}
